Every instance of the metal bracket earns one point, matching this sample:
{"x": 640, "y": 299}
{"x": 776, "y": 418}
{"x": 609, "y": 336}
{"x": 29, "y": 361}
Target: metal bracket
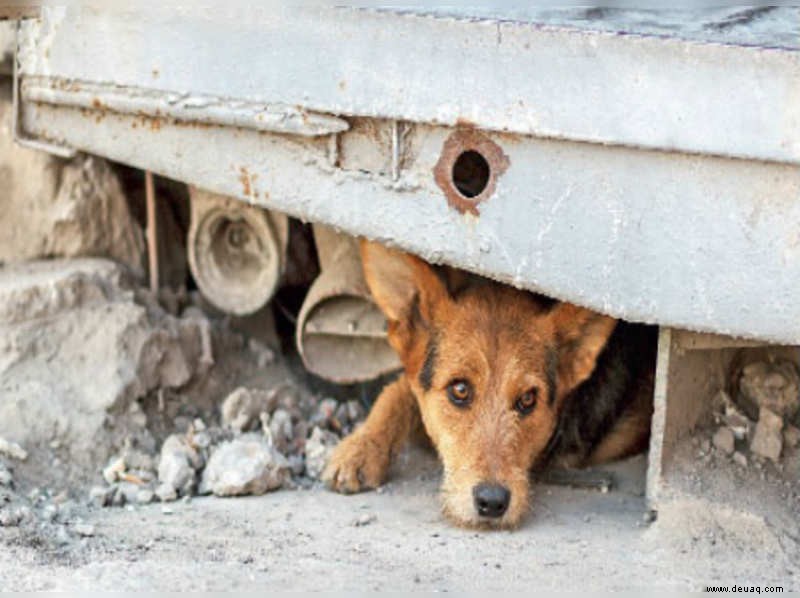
{"x": 62, "y": 151}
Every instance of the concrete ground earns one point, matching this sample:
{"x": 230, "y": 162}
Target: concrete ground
{"x": 395, "y": 540}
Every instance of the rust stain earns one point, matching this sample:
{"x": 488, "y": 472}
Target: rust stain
{"x": 465, "y": 123}
{"x": 155, "y": 124}
{"x": 465, "y": 140}
{"x": 97, "y": 104}
{"x": 156, "y": 73}
{"x": 244, "y": 179}
{"x": 342, "y": 85}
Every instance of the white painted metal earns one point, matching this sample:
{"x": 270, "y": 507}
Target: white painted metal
{"x": 628, "y": 189}
{"x": 509, "y": 75}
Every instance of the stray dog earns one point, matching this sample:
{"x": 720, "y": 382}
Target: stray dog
{"x": 504, "y": 381}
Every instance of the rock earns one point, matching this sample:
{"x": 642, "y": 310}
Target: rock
{"x": 145, "y": 496}
{"x": 166, "y": 493}
{"x": 245, "y": 465}
{"x": 740, "y": 459}
{"x": 768, "y": 439}
{"x": 791, "y": 435}
{"x": 241, "y": 408}
{"x": 61, "y": 208}
{"x": 325, "y": 412}
{"x": 10, "y": 518}
{"x": 118, "y": 498}
{"x": 6, "y": 479}
{"x": 319, "y": 448}
{"x": 281, "y": 430}
{"x": 129, "y": 490}
{"x": 84, "y": 530}
{"x": 264, "y": 355}
{"x": 101, "y": 496}
{"x": 365, "y": 519}
{"x": 771, "y": 385}
{"x": 12, "y": 449}
{"x": 76, "y": 350}
{"x": 732, "y": 416}
{"x": 724, "y": 440}
{"x": 178, "y": 464}
{"x": 114, "y": 469}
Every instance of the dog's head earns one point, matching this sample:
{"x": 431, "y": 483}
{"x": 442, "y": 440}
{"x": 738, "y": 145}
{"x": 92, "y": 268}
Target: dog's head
{"x": 489, "y": 366}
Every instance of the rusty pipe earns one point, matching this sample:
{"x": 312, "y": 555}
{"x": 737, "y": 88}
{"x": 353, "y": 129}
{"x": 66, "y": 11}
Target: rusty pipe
{"x": 237, "y": 252}
{"x": 341, "y": 333}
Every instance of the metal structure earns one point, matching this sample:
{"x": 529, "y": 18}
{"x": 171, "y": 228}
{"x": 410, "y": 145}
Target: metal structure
{"x": 642, "y": 165}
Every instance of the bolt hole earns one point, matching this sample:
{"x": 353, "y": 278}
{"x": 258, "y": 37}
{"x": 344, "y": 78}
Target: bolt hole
{"x": 471, "y": 173}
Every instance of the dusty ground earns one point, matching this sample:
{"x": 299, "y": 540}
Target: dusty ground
{"x": 311, "y": 539}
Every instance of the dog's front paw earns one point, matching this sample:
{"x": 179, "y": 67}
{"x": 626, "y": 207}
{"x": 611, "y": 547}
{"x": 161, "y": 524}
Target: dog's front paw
{"x": 359, "y": 463}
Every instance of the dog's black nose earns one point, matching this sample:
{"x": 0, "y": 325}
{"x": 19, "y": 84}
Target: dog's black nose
{"x": 491, "y": 500}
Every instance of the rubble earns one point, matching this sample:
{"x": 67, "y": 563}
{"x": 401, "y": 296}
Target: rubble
{"x": 6, "y": 478}
{"x": 724, "y": 440}
{"x": 12, "y": 449}
{"x": 178, "y": 465}
{"x": 318, "y": 450}
{"x": 84, "y": 530}
{"x": 791, "y": 436}
{"x": 245, "y": 465}
{"x": 771, "y": 385}
{"x": 75, "y": 346}
{"x": 740, "y": 459}
{"x": 166, "y": 493}
{"x": 242, "y": 408}
{"x": 767, "y": 440}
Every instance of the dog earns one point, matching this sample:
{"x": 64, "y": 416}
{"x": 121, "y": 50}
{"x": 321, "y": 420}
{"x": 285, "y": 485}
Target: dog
{"x": 502, "y": 380}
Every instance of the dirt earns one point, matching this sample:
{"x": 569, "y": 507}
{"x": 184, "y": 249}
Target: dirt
{"x": 394, "y": 539}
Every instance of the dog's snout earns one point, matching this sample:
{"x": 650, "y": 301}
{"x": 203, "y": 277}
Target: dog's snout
{"x": 491, "y": 500}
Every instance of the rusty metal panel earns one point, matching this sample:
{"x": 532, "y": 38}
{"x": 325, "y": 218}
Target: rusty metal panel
{"x": 529, "y": 74}
{"x": 693, "y": 241}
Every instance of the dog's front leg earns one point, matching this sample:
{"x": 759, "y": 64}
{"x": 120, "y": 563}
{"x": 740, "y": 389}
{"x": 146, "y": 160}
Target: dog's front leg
{"x": 362, "y": 460}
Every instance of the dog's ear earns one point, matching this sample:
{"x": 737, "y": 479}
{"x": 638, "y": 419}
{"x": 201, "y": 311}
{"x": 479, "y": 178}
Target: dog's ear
{"x": 404, "y": 287}
{"x": 581, "y": 335}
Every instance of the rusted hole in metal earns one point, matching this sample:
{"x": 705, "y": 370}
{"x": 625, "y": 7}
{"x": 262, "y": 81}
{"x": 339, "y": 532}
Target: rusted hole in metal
{"x": 471, "y": 173}
{"x": 468, "y": 169}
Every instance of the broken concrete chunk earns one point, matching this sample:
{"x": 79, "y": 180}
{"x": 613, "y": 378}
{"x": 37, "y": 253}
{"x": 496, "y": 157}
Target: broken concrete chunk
{"x": 113, "y": 471}
{"x": 12, "y": 449}
{"x": 791, "y": 435}
{"x": 771, "y": 385}
{"x": 76, "y": 348}
{"x": 319, "y": 448}
{"x": 740, "y": 459}
{"x": 768, "y": 438}
{"x": 84, "y": 530}
{"x": 178, "y": 464}
{"x": 724, "y": 440}
{"x": 281, "y": 430}
{"x": 245, "y": 465}
{"x": 241, "y": 409}
{"x": 166, "y": 493}
{"x": 145, "y": 496}
{"x": 325, "y": 412}
{"x": 101, "y": 496}
{"x": 6, "y": 479}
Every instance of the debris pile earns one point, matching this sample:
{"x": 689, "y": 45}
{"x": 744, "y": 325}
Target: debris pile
{"x": 265, "y": 440}
{"x": 761, "y": 424}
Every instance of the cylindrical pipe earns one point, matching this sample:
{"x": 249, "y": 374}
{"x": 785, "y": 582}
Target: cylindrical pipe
{"x": 237, "y": 252}
{"x": 341, "y": 333}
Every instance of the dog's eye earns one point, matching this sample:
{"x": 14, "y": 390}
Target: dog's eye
{"x": 459, "y": 392}
{"x": 526, "y": 402}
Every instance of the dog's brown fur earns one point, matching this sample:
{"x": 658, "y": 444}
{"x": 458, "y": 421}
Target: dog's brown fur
{"x": 504, "y": 343}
